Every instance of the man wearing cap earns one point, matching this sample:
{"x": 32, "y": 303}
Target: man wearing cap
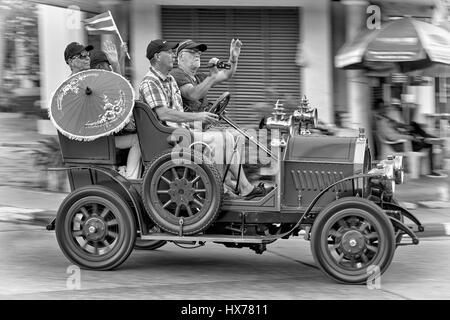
{"x": 195, "y": 85}
{"x": 77, "y": 57}
{"x": 109, "y": 59}
{"x": 81, "y": 58}
{"x": 160, "y": 91}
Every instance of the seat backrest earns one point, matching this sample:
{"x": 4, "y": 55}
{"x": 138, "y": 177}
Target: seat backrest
{"x": 99, "y": 151}
{"x": 154, "y": 136}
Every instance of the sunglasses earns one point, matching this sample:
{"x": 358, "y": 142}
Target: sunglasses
{"x": 82, "y": 55}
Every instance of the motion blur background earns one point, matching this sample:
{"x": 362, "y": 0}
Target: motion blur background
{"x": 288, "y": 51}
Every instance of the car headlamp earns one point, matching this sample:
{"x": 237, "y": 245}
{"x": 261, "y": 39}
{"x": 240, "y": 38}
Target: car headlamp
{"x": 391, "y": 172}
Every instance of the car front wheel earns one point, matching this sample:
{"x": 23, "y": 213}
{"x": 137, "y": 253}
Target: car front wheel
{"x": 352, "y": 240}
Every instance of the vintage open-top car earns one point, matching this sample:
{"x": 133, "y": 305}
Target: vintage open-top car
{"x": 325, "y": 188}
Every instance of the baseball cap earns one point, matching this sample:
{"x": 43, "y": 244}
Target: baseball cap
{"x": 98, "y": 56}
{"x": 159, "y": 45}
{"x": 75, "y": 48}
{"x": 190, "y": 44}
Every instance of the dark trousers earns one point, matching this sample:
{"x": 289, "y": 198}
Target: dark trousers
{"x": 417, "y": 143}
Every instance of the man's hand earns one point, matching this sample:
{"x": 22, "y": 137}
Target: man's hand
{"x": 207, "y": 117}
{"x": 110, "y": 49}
{"x": 235, "y": 49}
{"x": 215, "y": 73}
{"x": 123, "y": 50}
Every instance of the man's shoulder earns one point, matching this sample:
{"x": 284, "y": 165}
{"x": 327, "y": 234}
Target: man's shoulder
{"x": 149, "y": 77}
{"x": 177, "y": 74}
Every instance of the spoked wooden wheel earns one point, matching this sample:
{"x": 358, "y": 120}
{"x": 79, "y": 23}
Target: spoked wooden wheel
{"x": 95, "y": 228}
{"x": 350, "y": 237}
{"x": 182, "y": 195}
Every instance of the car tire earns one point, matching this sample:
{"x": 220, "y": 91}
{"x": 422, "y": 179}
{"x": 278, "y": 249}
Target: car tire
{"x": 362, "y": 240}
{"x": 95, "y": 228}
{"x": 172, "y": 189}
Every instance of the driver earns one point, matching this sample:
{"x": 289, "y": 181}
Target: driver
{"x": 194, "y": 85}
{"x": 160, "y": 91}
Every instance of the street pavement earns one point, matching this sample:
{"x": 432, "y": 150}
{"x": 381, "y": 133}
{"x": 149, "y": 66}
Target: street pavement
{"x": 23, "y": 200}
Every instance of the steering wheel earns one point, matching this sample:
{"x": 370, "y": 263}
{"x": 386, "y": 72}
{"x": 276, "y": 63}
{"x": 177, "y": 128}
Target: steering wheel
{"x": 220, "y": 104}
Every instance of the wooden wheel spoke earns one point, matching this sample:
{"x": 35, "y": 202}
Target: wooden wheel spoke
{"x": 177, "y": 210}
{"x": 363, "y": 226}
{"x": 112, "y": 234}
{"x": 112, "y": 223}
{"x": 371, "y": 236}
{"x": 162, "y": 191}
{"x": 195, "y": 179}
{"x": 372, "y": 248}
{"x": 364, "y": 258}
{"x": 174, "y": 173}
{"x": 78, "y": 220}
{"x": 198, "y": 203}
{"x": 95, "y": 208}
{"x": 167, "y": 204}
{"x": 335, "y": 233}
{"x": 104, "y": 212}
{"x": 166, "y": 180}
{"x": 77, "y": 233}
{"x": 200, "y": 191}
{"x": 343, "y": 223}
{"x": 84, "y": 212}
{"x": 185, "y": 172}
{"x": 96, "y": 251}
{"x": 333, "y": 246}
{"x": 189, "y": 211}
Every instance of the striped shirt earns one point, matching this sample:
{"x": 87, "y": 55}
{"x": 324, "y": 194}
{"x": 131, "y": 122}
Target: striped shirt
{"x": 158, "y": 90}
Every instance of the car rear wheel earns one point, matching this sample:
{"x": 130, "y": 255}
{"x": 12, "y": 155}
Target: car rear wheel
{"x": 351, "y": 238}
{"x": 95, "y": 228}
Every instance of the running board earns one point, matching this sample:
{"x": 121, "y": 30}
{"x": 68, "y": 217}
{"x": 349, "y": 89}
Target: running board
{"x": 205, "y": 238}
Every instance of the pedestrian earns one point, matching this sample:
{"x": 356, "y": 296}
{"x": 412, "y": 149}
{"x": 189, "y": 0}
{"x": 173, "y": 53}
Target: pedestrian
{"x": 392, "y": 130}
{"x": 161, "y": 92}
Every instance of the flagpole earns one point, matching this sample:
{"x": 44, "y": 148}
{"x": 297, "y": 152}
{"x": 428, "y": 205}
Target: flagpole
{"x": 118, "y": 33}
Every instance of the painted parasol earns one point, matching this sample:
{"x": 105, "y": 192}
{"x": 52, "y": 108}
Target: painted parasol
{"x": 407, "y": 43}
{"x": 92, "y": 104}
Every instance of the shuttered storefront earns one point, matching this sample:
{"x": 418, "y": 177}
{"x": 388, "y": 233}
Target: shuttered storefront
{"x": 267, "y": 60}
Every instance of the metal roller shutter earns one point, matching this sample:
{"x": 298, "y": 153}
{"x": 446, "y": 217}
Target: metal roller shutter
{"x": 267, "y": 60}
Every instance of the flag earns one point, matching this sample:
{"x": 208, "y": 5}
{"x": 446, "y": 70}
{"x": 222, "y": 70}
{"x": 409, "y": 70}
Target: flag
{"x": 101, "y": 24}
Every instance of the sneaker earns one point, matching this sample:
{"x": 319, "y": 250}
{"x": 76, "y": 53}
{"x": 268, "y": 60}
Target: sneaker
{"x": 435, "y": 174}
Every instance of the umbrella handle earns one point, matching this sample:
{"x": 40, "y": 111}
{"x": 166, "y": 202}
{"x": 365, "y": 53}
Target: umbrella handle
{"x": 88, "y": 91}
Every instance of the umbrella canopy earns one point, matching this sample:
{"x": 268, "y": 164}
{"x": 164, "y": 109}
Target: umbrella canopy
{"x": 408, "y": 43}
{"x": 92, "y": 104}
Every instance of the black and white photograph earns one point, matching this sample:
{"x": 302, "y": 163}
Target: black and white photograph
{"x": 224, "y": 155}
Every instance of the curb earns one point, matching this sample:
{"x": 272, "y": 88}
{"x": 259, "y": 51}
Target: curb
{"x": 26, "y": 216}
